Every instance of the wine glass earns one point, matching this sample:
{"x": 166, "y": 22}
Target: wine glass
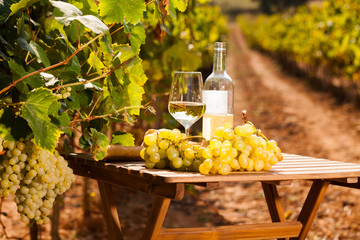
{"x": 185, "y": 102}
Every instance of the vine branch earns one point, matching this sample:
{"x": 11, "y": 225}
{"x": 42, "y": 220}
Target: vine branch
{"x": 13, "y": 84}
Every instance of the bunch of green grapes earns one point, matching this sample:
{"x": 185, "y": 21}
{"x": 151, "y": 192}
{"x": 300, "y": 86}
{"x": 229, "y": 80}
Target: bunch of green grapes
{"x": 35, "y": 176}
{"x": 64, "y": 93}
{"x": 243, "y": 148}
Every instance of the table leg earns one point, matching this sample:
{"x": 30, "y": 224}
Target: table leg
{"x": 156, "y": 218}
{"x": 311, "y": 206}
{"x": 273, "y": 203}
{"x": 110, "y": 211}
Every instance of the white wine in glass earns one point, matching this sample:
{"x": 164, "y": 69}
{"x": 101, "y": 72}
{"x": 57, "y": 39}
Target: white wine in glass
{"x": 185, "y": 102}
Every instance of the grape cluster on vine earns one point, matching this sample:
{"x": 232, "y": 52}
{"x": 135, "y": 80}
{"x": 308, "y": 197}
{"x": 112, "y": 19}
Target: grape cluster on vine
{"x": 64, "y": 93}
{"x": 35, "y": 176}
{"x": 243, "y": 148}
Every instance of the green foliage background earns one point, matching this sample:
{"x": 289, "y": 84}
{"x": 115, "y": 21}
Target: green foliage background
{"x": 325, "y": 36}
{"x": 111, "y": 55}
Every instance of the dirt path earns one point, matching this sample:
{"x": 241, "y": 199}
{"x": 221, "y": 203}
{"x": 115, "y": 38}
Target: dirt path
{"x": 333, "y": 130}
{"x": 303, "y": 121}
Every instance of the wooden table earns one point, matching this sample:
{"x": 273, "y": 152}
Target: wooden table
{"x": 166, "y": 185}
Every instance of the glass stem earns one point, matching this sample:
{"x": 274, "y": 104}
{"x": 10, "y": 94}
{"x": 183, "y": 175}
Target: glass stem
{"x": 187, "y": 132}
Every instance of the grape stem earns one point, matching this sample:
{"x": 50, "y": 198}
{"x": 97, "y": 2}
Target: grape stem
{"x": 257, "y": 131}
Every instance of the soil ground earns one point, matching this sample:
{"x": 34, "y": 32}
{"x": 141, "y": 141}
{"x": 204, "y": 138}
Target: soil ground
{"x": 302, "y": 120}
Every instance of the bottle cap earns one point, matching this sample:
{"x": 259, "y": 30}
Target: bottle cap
{"x": 220, "y": 46}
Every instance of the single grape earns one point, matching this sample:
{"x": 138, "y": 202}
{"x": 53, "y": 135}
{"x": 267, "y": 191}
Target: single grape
{"x": 161, "y": 164}
{"x": 155, "y": 157}
{"x": 177, "y": 162}
{"x": 187, "y": 162}
{"x": 150, "y": 139}
{"x": 225, "y": 169}
{"x": 271, "y": 145}
{"x": 273, "y": 159}
{"x": 250, "y": 165}
{"x": 163, "y": 144}
{"x": 203, "y": 169}
{"x": 142, "y": 153}
{"x": 234, "y": 164}
{"x": 228, "y": 133}
{"x": 149, "y": 164}
{"x": 207, "y": 153}
{"x": 152, "y": 149}
{"x": 189, "y": 153}
{"x": 219, "y": 132}
{"x": 258, "y": 165}
{"x": 172, "y": 154}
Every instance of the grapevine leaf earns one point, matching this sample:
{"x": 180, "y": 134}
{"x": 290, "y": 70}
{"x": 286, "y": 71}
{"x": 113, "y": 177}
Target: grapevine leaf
{"x": 123, "y": 53}
{"x": 93, "y": 23}
{"x": 116, "y": 11}
{"x": 79, "y": 97}
{"x": 100, "y": 142}
{"x": 40, "y": 54}
{"x": 137, "y": 35}
{"x": 60, "y": 119}
{"x": 135, "y": 71}
{"x": 94, "y": 61}
{"x": 21, "y": 5}
{"x": 122, "y": 138}
{"x": 116, "y": 90}
{"x": 135, "y": 93}
{"x": 128, "y": 118}
{"x": 24, "y": 45}
{"x": 35, "y": 111}
{"x": 170, "y": 7}
{"x": 12, "y": 127}
{"x": 88, "y": 7}
{"x": 5, "y": 10}
{"x": 67, "y": 9}
{"x": 18, "y": 71}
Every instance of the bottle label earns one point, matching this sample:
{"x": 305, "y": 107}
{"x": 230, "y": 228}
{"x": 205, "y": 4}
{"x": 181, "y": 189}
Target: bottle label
{"x": 216, "y": 101}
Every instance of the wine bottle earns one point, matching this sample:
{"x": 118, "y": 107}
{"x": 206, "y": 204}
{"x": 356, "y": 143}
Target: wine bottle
{"x": 218, "y": 94}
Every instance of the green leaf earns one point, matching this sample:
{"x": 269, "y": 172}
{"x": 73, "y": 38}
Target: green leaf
{"x": 21, "y": 5}
{"x": 93, "y": 23}
{"x": 137, "y": 35}
{"x": 135, "y": 93}
{"x": 100, "y": 142}
{"x": 67, "y": 9}
{"x": 95, "y": 62}
{"x": 40, "y": 54}
{"x": 11, "y": 127}
{"x": 170, "y": 7}
{"x": 18, "y": 71}
{"x": 35, "y": 111}
{"x": 115, "y": 11}
{"x": 123, "y": 52}
{"x": 61, "y": 120}
{"x": 22, "y": 43}
{"x": 5, "y": 9}
{"x": 122, "y": 138}
{"x": 135, "y": 71}
{"x": 88, "y": 7}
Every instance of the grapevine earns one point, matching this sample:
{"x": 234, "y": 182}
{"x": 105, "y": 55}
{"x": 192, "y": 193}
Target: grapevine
{"x": 320, "y": 40}
{"x": 243, "y": 148}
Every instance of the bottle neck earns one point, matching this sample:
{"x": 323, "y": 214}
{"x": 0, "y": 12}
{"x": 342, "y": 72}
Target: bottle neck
{"x": 219, "y": 61}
